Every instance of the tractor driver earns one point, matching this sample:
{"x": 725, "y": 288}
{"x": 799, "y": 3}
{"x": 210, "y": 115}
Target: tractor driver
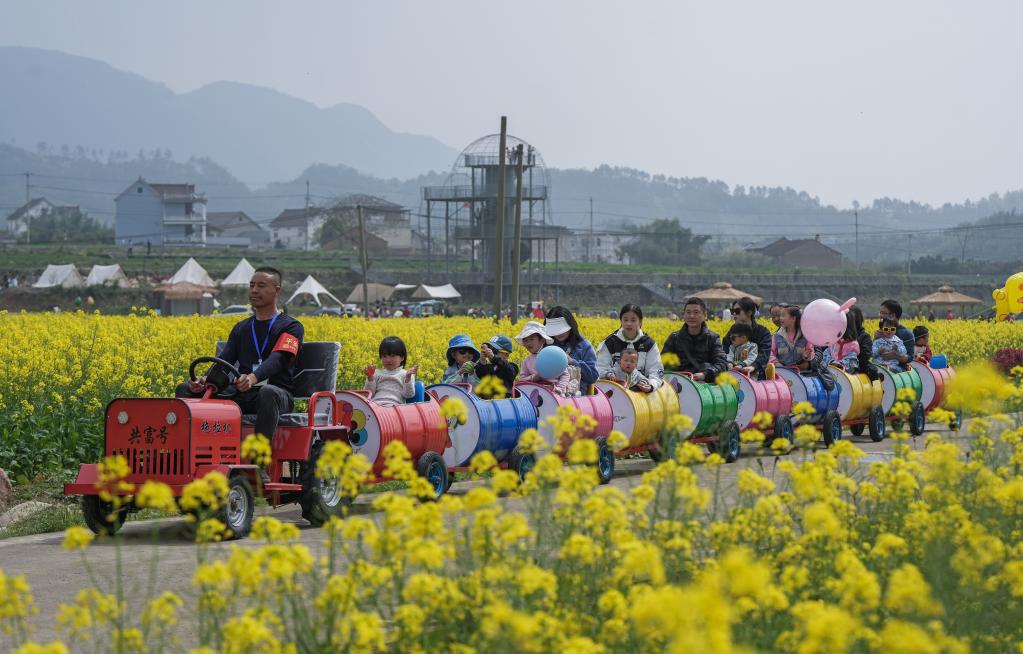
{"x": 265, "y": 346}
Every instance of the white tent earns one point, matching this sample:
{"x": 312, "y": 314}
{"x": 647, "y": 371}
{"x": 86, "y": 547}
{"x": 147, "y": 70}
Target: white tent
{"x": 312, "y": 287}
{"x": 240, "y": 276}
{"x": 113, "y": 275}
{"x": 65, "y": 276}
{"x": 376, "y": 292}
{"x": 404, "y": 287}
{"x": 445, "y": 292}
{"x": 192, "y": 273}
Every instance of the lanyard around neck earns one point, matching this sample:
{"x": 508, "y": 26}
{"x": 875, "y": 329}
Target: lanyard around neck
{"x": 255, "y": 341}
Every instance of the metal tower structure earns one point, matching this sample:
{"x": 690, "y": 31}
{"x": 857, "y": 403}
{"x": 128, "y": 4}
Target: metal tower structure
{"x": 467, "y": 203}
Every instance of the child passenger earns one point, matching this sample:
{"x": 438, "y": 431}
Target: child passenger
{"x": 742, "y": 353}
{"x": 394, "y": 384}
{"x": 462, "y": 358}
{"x": 888, "y": 346}
{"x": 627, "y": 374}
{"x": 494, "y": 361}
{"x": 922, "y": 348}
{"x": 534, "y": 338}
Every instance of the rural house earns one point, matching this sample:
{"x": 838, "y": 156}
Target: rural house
{"x": 161, "y": 214}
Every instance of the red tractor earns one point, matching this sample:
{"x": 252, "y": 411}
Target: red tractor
{"x": 178, "y": 440}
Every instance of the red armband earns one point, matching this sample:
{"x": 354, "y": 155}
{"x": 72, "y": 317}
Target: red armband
{"x": 286, "y": 343}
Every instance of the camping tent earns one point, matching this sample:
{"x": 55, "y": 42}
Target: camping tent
{"x": 445, "y": 292}
{"x": 723, "y": 293}
{"x": 376, "y": 292}
{"x": 65, "y": 276}
{"x": 113, "y": 275}
{"x": 192, "y": 273}
{"x": 240, "y": 276}
{"x": 312, "y": 287}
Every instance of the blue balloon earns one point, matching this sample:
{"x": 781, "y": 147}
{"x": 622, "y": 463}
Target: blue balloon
{"x": 551, "y": 362}
{"x": 939, "y": 361}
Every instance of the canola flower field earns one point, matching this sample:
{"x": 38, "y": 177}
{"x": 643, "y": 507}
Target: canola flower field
{"x": 919, "y": 553}
{"x": 60, "y": 370}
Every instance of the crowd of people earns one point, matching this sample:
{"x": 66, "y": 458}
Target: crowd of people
{"x": 633, "y": 359}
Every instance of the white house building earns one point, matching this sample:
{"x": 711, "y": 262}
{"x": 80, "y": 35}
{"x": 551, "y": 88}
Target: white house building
{"x": 161, "y": 214}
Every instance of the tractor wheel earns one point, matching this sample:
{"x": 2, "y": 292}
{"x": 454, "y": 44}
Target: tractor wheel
{"x": 240, "y": 507}
{"x": 432, "y": 468}
{"x": 729, "y": 442}
{"x": 321, "y": 499}
{"x": 876, "y": 424}
{"x": 605, "y": 460}
{"x": 97, "y": 514}
{"x": 857, "y": 429}
{"x": 832, "y": 428}
{"x": 521, "y": 463}
{"x": 917, "y": 419}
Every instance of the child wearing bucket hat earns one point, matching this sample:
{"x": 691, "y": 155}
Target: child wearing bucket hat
{"x": 494, "y": 361}
{"x": 462, "y": 357}
{"x": 534, "y": 338}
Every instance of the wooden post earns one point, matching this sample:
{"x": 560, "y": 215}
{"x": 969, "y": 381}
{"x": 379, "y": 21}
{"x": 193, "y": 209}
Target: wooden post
{"x": 517, "y": 235}
{"x": 362, "y": 258}
{"x": 499, "y": 231}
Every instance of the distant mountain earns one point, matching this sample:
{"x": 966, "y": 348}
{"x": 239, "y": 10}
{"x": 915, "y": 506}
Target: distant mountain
{"x": 259, "y": 134}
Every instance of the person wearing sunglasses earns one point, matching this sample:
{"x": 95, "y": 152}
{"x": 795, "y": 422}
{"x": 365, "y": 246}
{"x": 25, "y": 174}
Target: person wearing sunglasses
{"x": 892, "y": 310}
{"x": 744, "y": 312}
{"x": 888, "y": 347}
{"x": 462, "y": 357}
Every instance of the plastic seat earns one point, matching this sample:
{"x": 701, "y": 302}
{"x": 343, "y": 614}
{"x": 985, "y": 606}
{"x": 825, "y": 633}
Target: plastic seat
{"x": 420, "y": 395}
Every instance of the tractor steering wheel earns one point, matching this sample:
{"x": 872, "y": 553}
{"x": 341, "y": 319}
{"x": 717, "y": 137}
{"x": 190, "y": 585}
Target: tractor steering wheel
{"x": 218, "y": 376}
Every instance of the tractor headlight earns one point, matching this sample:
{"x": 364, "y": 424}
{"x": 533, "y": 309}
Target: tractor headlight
{"x": 122, "y": 417}
{"x": 171, "y": 417}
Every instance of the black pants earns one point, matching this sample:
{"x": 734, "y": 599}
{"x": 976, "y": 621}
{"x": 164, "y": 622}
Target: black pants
{"x": 267, "y": 402}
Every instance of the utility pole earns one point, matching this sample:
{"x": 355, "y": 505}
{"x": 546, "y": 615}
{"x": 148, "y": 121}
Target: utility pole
{"x": 909, "y": 254}
{"x": 362, "y": 259}
{"x": 857, "y": 214}
{"x": 28, "y": 198}
{"x": 499, "y": 232}
{"x": 307, "y": 214}
{"x": 589, "y": 242}
{"x": 517, "y": 235}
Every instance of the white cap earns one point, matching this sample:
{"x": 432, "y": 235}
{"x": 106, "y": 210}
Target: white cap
{"x": 533, "y": 327}
{"x": 557, "y": 326}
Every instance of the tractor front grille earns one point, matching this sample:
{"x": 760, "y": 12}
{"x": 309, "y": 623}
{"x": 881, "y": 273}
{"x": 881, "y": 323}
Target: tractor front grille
{"x": 155, "y": 461}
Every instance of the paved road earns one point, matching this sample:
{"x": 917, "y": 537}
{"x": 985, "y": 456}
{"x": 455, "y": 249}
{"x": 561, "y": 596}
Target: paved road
{"x": 157, "y": 556}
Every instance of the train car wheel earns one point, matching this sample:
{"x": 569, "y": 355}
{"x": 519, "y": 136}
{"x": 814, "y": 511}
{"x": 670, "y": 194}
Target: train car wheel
{"x": 730, "y": 441}
{"x": 832, "y": 428}
{"x": 521, "y": 463}
{"x": 876, "y": 424}
{"x": 432, "y": 468}
{"x": 605, "y": 460}
{"x": 917, "y": 419}
{"x": 782, "y": 429}
{"x": 857, "y": 429}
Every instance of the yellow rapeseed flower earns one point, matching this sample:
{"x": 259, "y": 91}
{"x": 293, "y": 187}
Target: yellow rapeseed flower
{"x": 77, "y": 538}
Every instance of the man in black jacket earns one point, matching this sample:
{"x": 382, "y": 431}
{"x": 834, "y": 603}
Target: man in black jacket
{"x": 265, "y": 346}
{"x": 698, "y": 349}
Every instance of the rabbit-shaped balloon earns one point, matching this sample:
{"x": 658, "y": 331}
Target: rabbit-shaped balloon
{"x": 823, "y": 322}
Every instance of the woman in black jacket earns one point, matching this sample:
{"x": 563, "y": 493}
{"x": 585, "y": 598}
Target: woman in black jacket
{"x": 865, "y": 342}
{"x": 744, "y": 310}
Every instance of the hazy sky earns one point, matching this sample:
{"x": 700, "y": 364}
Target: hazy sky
{"x": 915, "y": 99}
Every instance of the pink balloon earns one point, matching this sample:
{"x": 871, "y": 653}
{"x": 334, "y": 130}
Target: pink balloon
{"x": 824, "y": 322}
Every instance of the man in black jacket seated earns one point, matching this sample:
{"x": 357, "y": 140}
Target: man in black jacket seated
{"x": 265, "y": 346}
{"x": 698, "y": 349}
